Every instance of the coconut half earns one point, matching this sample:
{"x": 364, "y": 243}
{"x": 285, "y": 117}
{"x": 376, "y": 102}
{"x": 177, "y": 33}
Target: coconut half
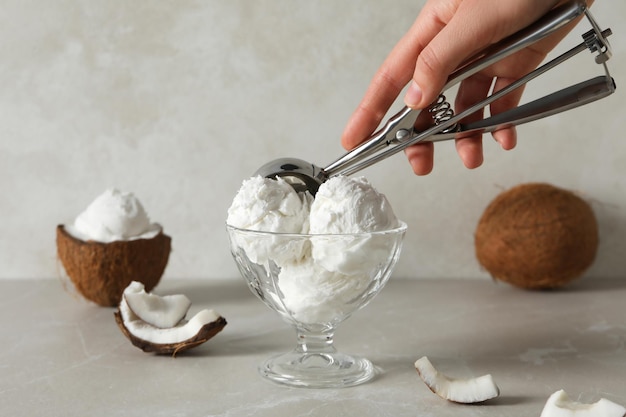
{"x": 185, "y": 334}
{"x": 464, "y": 391}
{"x": 101, "y": 271}
{"x": 560, "y": 405}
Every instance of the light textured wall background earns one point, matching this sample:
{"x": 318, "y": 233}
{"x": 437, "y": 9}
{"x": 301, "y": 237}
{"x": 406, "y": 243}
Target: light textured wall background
{"x": 179, "y": 101}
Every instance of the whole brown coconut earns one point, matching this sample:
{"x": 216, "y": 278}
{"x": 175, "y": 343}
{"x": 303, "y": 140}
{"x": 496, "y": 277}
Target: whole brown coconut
{"x": 101, "y": 271}
{"x": 537, "y": 236}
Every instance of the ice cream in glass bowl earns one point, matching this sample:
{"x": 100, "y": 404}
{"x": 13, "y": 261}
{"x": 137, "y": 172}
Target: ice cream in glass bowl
{"x": 314, "y": 262}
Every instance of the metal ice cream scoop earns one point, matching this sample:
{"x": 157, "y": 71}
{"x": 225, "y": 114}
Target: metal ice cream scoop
{"x": 400, "y": 131}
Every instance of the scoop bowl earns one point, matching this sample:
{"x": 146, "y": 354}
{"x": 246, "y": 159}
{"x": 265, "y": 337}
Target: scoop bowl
{"x": 300, "y": 174}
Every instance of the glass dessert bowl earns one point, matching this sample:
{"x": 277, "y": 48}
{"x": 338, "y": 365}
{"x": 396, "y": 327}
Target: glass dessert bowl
{"x": 315, "y": 282}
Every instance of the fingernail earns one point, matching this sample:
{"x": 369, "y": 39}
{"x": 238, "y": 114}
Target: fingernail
{"x": 413, "y": 95}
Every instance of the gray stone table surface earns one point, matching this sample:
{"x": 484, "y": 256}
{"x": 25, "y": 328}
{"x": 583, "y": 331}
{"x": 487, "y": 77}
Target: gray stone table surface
{"x": 63, "y": 356}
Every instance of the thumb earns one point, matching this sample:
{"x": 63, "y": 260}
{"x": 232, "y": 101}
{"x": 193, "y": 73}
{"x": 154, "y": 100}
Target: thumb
{"x": 441, "y": 56}
{"x": 474, "y": 26}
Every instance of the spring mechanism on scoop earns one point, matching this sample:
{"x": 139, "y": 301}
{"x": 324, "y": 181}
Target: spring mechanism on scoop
{"x": 441, "y": 111}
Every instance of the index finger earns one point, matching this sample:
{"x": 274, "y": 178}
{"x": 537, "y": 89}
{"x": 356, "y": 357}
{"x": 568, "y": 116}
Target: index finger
{"x": 392, "y": 76}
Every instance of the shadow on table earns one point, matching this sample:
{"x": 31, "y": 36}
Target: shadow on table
{"x": 590, "y": 284}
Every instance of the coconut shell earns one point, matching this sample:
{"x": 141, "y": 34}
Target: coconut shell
{"x": 205, "y": 333}
{"x": 101, "y": 271}
{"x": 537, "y": 236}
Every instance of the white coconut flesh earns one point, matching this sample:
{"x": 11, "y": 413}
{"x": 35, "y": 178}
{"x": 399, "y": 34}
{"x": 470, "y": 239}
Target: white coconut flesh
{"x": 184, "y": 330}
{"x": 162, "y": 312}
{"x": 465, "y": 391}
{"x": 560, "y": 405}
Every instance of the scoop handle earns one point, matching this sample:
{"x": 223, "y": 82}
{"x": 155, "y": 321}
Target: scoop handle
{"x": 566, "y": 99}
{"x": 400, "y": 126}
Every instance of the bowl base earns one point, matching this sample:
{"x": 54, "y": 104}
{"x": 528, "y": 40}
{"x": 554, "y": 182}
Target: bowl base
{"x": 317, "y": 370}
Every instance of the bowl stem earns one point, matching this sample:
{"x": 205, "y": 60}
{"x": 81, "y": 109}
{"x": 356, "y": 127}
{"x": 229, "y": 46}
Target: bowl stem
{"x": 315, "y": 363}
{"x": 315, "y": 341}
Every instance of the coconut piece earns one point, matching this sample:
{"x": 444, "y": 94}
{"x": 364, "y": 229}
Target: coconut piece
{"x": 185, "y": 335}
{"x": 101, "y": 271}
{"x": 537, "y": 236}
{"x": 465, "y": 391}
{"x": 162, "y": 312}
{"x": 560, "y": 405}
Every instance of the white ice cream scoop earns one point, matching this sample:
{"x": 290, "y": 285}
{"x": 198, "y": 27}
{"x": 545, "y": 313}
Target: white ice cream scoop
{"x": 400, "y": 131}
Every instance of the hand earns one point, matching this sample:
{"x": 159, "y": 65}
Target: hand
{"x": 446, "y": 33}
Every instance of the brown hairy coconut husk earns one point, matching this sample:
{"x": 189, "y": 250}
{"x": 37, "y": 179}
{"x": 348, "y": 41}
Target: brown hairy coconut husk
{"x": 537, "y": 236}
{"x": 101, "y": 271}
{"x": 206, "y": 332}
